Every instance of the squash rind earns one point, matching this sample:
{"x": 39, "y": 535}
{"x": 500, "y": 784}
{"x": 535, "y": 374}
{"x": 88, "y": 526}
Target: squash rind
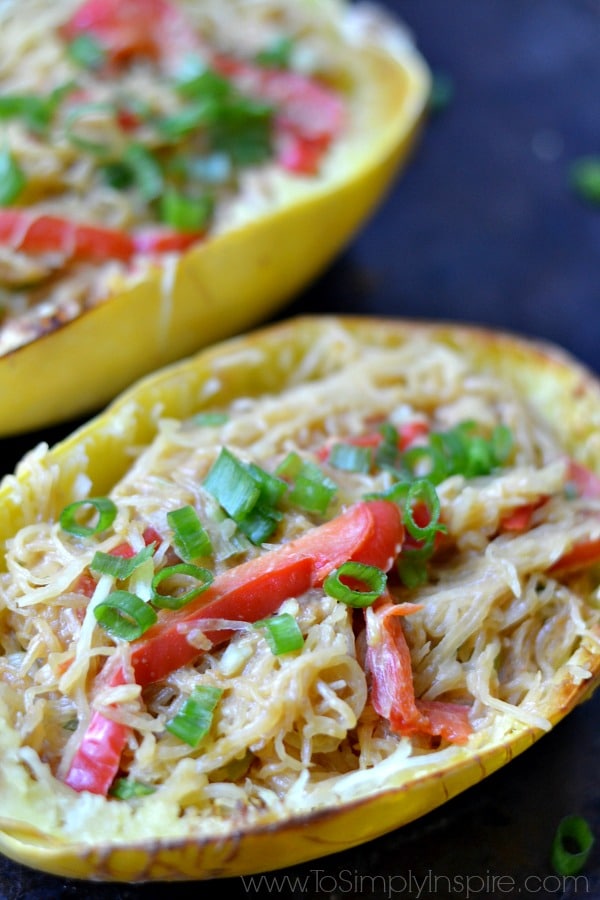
{"x": 560, "y": 389}
{"x": 236, "y": 278}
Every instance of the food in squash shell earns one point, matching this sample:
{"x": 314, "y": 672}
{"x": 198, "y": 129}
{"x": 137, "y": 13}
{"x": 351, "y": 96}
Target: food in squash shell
{"x": 175, "y": 171}
{"x": 292, "y": 593}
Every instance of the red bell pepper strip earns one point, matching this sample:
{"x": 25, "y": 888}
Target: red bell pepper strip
{"x": 369, "y": 532}
{"x": 26, "y": 232}
{"x": 38, "y": 234}
{"x": 126, "y": 29}
{"x": 389, "y": 665}
{"x": 587, "y": 553}
{"x": 586, "y": 482}
{"x": 96, "y": 761}
{"x": 150, "y": 241}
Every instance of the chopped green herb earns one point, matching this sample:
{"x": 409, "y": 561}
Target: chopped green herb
{"x": 572, "y": 845}
{"x": 584, "y": 177}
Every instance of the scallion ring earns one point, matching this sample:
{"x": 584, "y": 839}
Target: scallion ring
{"x": 575, "y": 831}
{"x": 124, "y": 615}
{"x": 202, "y": 577}
{"x": 189, "y": 536}
{"x": 282, "y": 633}
{"x": 120, "y": 567}
{"x": 192, "y": 722}
{"x": 69, "y": 517}
{"x": 422, "y": 491}
{"x": 360, "y": 573}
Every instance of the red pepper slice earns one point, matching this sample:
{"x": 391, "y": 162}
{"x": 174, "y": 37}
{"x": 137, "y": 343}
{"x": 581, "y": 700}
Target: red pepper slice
{"x": 96, "y": 761}
{"x": 369, "y": 532}
{"x": 125, "y": 29}
{"x": 39, "y": 234}
{"x": 392, "y": 691}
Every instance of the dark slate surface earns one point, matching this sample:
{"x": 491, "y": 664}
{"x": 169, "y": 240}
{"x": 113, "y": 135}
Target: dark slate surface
{"x": 483, "y": 227}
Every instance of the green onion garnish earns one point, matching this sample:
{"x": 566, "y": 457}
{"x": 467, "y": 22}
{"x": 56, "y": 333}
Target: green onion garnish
{"x": 422, "y": 491}
{"x": 12, "y": 178}
{"x": 202, "y": 579}
{"x": 311, "y": 489}
{"x": 247, "y": 493}
{"x": 86, "y": 51}
{"x": 232, "y": 485}
{"x": 210, "y": 419}
{"x": 146, "y": 171}
{"x": 411, "y": 565}
{"x": 124, "y": 615}
{"x": 76, "y": 115}
{"x": 584, "y": 177}
{"x": 277, "y": 55}
{"x": 189, "y": 536}
{"x": 120, "y": 567}
{"x": 128, "y": 789}
{"x": 572, "y": 845}
{"x": 35, "y": 111}
{"x": 282, "y": 633}
{"x": 185, "y": 213}
{"x": 351, "y": 458}
{"x": 193, "y": 721}
{"x": 70, "y": 519}
{"x": 371, "y": 576}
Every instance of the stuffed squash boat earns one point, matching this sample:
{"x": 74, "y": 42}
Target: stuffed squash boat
{"x": 291, "y": 594}
{"x": 173, "y": 170}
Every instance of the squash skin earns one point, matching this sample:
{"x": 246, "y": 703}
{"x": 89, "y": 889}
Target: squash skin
{"x": 237, "y": 278}
{"x": 562, "y": 392}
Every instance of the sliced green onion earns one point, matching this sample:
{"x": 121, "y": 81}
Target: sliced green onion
{"x": 185, "y": 213}
{"x": 387, "y": 453}
{"x": 146, "y": 171}
{"x": 193, "y": 721}
{"x": 232, "y": 485}
{"x": 189, "y": 536}
{"x": 441, "y": 93}
{"x": 202, "y": 578}
{"x": 502, "y": 443}
{"x": 272, "y": 488}
{"x": 128, "y": 789}
{"x": 422, "y": 491}
{"x": 371, "y": 576}
{"x": 117, "y": 175}
{"x": 210, "y": 419}
{"x": 86, "y": 51}
{"x": 351, "y": 458}
{"x": 282, "y": 633}
{"x": 584, "y": 176}
{"x": 120, "y": 567}
{"x": 572, "y": 832}
{"x": 425, "y": 460}
{"x": 259, "y": 524}
{"x": 277, "y": 55}
{"x": 124, "y": 615}
{"x": 411, "y": 565}
{"x": 70, "y": 516}
{"x": 35, "y": 111}
{"x": 311, "y": 489}
{"x": 74, "y": 117}
{"x": 180, "y": 124}
{"x": 12, "y": 178}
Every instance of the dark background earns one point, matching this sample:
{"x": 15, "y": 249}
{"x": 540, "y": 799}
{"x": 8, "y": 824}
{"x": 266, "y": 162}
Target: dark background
{"x": 483, "y": 226}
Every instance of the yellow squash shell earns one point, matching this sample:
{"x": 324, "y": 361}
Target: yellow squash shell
{"x": 560, "y": 391}
{"x": 238, "y": 277}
